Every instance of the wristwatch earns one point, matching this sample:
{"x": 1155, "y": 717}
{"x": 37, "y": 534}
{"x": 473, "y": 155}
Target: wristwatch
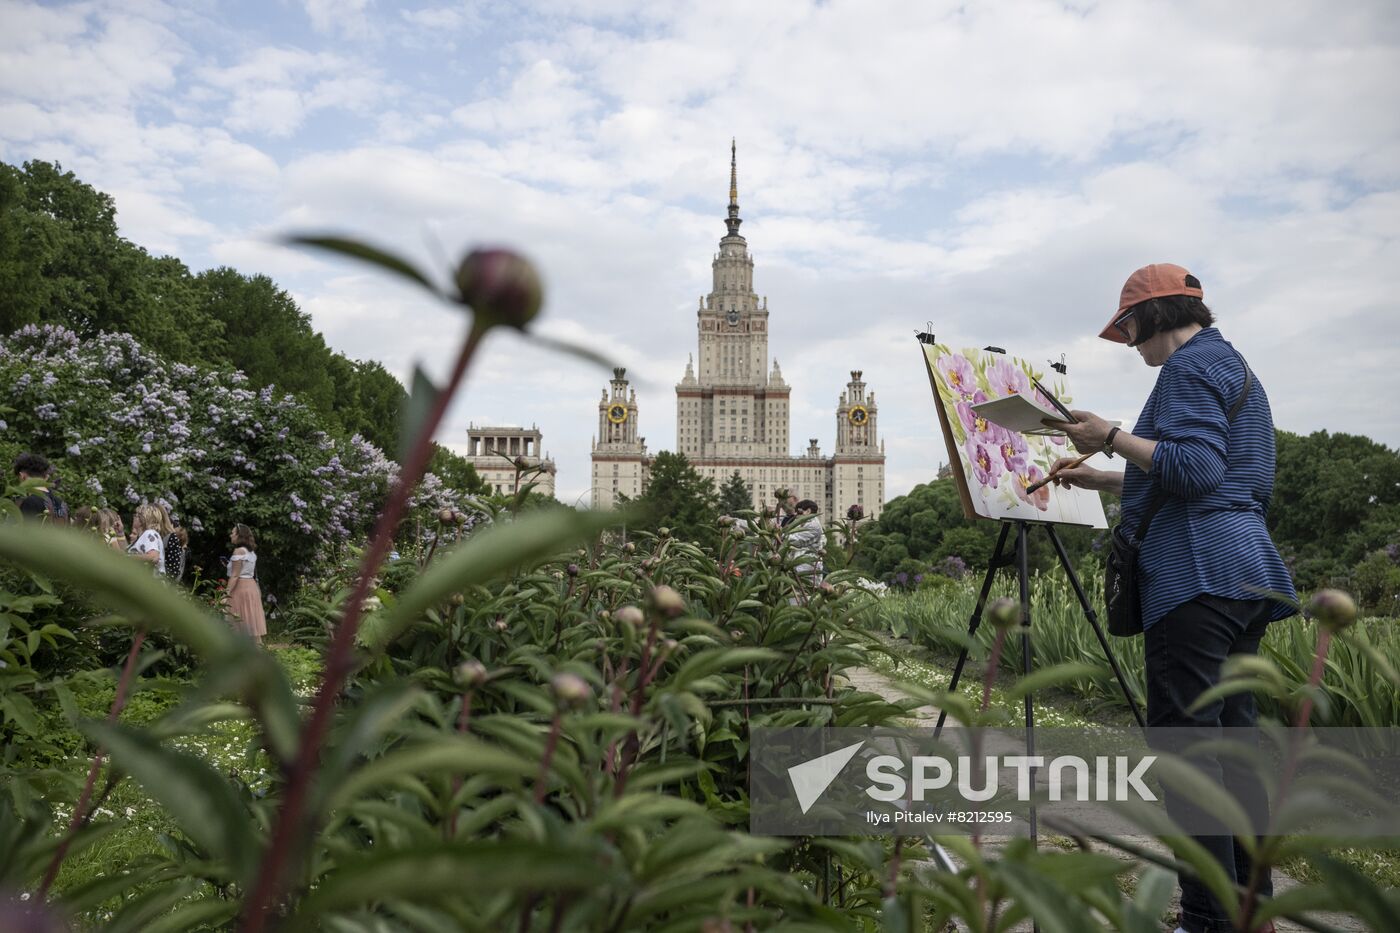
{"x": 1108, "y": 441}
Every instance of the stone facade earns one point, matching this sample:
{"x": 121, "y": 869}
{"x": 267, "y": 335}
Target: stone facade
{"x": 494, "y": 450}
{"x": 733, "y": 413}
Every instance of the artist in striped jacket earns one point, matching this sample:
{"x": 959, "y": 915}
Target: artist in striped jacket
{"x": 1206, "y": 559}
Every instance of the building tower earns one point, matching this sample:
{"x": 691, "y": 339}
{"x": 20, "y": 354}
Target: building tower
{"x": 858, "y": 466}
{"x": 619, "y": 454}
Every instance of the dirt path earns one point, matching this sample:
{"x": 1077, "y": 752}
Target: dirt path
{"x": 870, "y": 681}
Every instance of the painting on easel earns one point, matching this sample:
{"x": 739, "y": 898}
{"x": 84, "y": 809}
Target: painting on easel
{"x": 996, "y": 469}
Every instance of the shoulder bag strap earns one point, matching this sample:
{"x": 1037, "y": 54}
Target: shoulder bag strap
{"x": 1160, "y": 498}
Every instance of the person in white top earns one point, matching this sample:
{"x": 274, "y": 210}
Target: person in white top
{"x": 149, "y": 527}
{"x": 244, "y": 595}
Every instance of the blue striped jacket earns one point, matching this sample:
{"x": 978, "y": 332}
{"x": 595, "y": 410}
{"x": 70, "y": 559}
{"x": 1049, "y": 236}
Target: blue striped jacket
{"x": 1209, "y": 537}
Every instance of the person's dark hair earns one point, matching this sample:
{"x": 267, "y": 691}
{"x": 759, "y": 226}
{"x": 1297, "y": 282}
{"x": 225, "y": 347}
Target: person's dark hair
{"x": 243, "y": 537}
{"x": 807, "y": 505}
{"x": 34, "y": 465}
{"x": 1159, "y": 315}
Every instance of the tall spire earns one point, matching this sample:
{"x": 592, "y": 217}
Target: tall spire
{"x": 733, "y": 221}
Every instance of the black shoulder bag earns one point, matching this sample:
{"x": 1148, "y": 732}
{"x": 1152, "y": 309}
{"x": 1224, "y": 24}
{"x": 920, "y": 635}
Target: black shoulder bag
{"x": 1122, "y": 599}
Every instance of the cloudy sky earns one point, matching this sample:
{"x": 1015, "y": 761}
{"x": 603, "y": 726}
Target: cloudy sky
{"x": 996, "y": 169}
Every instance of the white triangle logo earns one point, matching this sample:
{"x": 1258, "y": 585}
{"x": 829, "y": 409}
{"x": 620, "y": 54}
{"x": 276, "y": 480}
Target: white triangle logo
{"x": 811, "y": 778}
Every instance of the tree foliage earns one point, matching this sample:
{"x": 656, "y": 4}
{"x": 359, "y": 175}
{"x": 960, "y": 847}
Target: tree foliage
{"x": 63, "y": 261}
{"x": 735, "y": 495}
{"x": 679, "y": 498}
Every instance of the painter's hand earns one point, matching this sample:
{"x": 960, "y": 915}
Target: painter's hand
{"x": 1087, "y": 433}
{"x": 1081, "y": 476}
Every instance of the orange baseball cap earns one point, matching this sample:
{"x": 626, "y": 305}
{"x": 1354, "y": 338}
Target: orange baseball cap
{"x": 1155, "y": 281}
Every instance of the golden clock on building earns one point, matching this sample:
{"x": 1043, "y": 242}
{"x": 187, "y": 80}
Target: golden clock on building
{"x": 617, "y": 414}
{"x": 858, "y": 415}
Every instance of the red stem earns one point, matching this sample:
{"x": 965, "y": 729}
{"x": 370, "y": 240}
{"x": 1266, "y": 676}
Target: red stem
{"x": 551, "y": 743}
{"x": 288, "y": 825}
{"x": 80, "y": 810}
{"x": 464, "y": 721}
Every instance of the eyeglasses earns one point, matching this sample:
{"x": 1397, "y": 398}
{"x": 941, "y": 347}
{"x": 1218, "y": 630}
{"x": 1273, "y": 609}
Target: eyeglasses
{"x": 1123, "y": 320}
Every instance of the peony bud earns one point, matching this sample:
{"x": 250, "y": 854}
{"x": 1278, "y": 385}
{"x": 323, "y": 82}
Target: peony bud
{"x": 604, "y": 615}
{"x": 501, "y": 286}
{"x": 445, "y": 516}
{"x": 663, "y": 532}
{"x": 630, "y": 615}
{"x": 826, "y": 588}
{"x": 1004, "y": 613}
{"x": 572, "y": 570}
{"x": 736, "y": 532}
{"x": 471, "y": 674}
{"x": 667, "y": 601}
{"x": 501, "y": 625}
{"x": 459, "y": 517}
{"x": 726, "y": 520}
{"x": 456, "y": 599}
{"x": 629, "y": 548}
{"x": 570, "y": 690}
{"x": 1333, "y": 609}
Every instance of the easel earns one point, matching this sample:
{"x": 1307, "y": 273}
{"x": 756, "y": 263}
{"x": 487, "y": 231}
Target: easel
{"x": 1018, "y": 556}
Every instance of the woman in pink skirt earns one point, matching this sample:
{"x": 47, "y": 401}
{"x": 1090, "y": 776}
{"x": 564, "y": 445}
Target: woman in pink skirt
{"x": 244, "y": 596}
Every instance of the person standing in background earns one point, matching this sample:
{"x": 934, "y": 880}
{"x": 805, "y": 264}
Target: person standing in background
{"x": 244, "y": 594}
{"x": 150, "y": 526}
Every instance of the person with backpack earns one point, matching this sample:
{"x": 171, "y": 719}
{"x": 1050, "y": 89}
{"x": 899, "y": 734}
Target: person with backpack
{"x": 42, "y": 504}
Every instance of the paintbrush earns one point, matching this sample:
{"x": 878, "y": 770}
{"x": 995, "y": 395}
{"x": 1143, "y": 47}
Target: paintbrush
{"x": 1056, "y": 472}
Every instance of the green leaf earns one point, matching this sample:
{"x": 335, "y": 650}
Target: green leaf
{"x": 367, "y": 722}
{"x": 452, "y": 754}
{"x": 200, "y": 799}
{"x": 484, "y": 555}
{"x": 117, "y": 581}
{"x": 18, "y": 708}
{"x": 1052, "y": 676}
{"x": 365, "y": 253}
{"x": 715, "y": 660}
{"x": 572, "y": 349}
{"x": 1052, "y": 906}
{"x": 422, "y": 396}
{"x": 1363, "y": 896}
{"x": 194, "y": 915}
{"x": 446, "y": 871}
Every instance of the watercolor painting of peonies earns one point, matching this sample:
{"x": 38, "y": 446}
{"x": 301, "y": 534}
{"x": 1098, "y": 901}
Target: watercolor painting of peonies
{"x": 994, "y": 467}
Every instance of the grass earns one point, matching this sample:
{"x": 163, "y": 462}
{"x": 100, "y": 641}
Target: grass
{"x": 142, "y": 827}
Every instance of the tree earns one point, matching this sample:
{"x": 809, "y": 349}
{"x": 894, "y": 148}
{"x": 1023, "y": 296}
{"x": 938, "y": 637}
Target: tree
{"x": 456, "y": 473}
{"x": 1336, "y": 499}
{"x": 679, "y": 498}
{"x": 735, "y": 495}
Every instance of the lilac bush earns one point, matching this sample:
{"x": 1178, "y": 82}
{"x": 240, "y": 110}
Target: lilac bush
{"x": 123, "y": 426}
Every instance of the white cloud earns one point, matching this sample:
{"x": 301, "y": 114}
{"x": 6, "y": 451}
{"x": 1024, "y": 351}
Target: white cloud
{"x": 997, "y": 169}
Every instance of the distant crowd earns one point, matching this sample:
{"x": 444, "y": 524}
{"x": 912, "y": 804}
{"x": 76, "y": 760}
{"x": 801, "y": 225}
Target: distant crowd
{"x": 154, "y": 539}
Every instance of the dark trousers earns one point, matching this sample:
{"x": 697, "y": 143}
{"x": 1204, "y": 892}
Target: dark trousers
{"x": 1184, "y": 651}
